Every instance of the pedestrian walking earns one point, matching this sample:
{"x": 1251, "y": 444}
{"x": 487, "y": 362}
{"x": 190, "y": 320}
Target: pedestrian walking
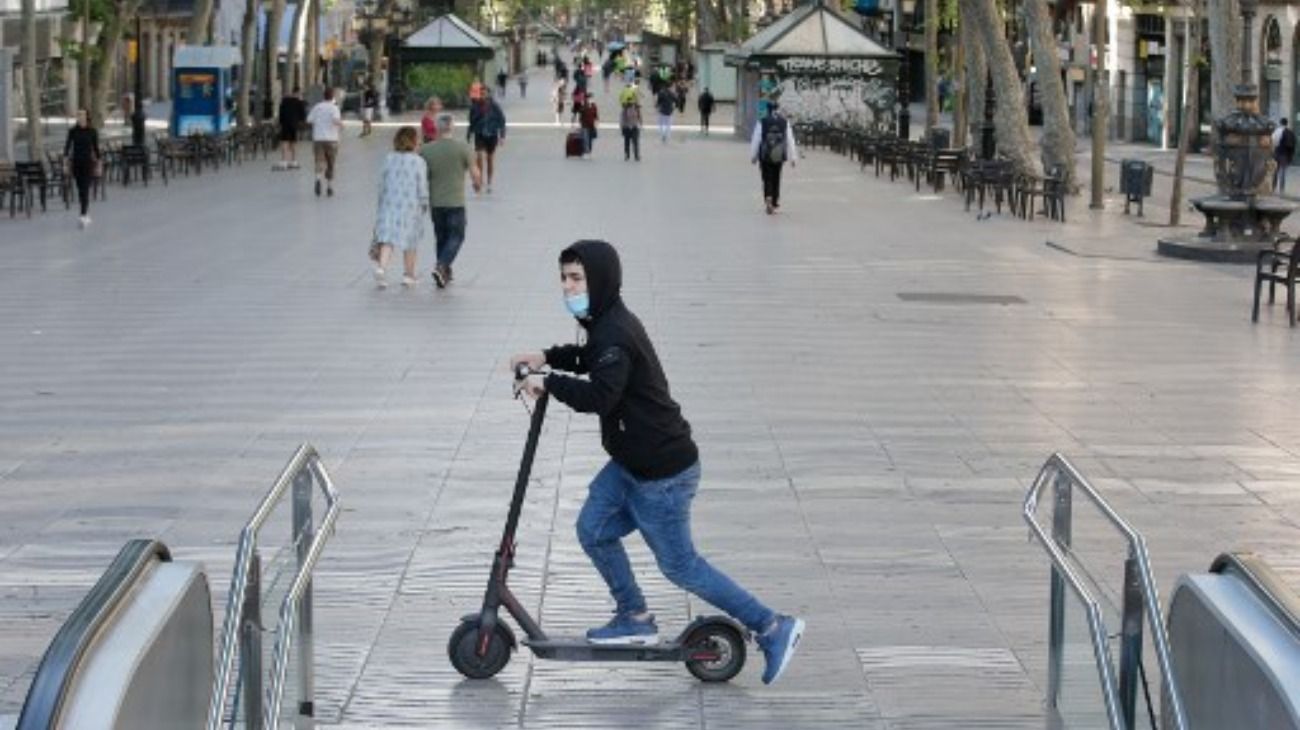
{"x": 1283, "y": 154}
{"x": 579, "y": 98}
{"x": 293, "y": 112}
{"x": 326, "y": 126}
{"x": 429, "y": 121}
{"x": 502, "y": 78}
{"x": 706, "y": 109}
{"x": 629, "y": 122}
{"x": 369, "y": 109}
{"x": 681, "y": 96}
{"x": 653, "y": 471}
{"x": 83, "y": 159}
{"x": 448, "y": 160}
{"x": 665, "y": 102}
{"x": 771, "y": 145}
{"x": 523, "y": 86}
{"x": 558, "y": 94}
{"x": 487, "y": 127}
{"x": 589, "y": 118}
{"x": 403, "y": 204}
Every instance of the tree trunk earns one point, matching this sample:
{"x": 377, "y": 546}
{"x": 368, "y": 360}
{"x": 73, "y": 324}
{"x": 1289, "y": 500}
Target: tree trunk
{"x": 292, "y": 59}
{"x": 1225, "y": 54}
{"x": 247, "y": 53}
{"x": 200, "y": 23}
{"x": 977, "y": 71}
{"x": 110, "y": 41}
{"x": 1010, "y": 117}
{"x": 311, "y": 67}
{"x": 931, "y": 64}
{"x": 1191, "y": 114}
{"x": 1058, "y": 136}
{"x": 961, "y": 97}
{"x": 376, "y": 50}
{"x": 31, "y": 87}
{"x": 271, "y": 83}
{"x": 706, "y": 24}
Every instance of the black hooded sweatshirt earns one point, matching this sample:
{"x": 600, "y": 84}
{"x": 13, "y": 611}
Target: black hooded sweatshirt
{"x": 641, "y": 426}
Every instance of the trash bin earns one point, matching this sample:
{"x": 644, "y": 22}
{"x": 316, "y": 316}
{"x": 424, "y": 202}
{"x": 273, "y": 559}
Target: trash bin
{"x": 1135, "y": 177}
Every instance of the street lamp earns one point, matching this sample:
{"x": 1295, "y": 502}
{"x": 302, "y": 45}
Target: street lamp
{"x": 137, "y": 117}
{"x": 904, "y": 69}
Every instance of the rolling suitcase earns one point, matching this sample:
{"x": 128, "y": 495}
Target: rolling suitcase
{"x": 573, "y": 144}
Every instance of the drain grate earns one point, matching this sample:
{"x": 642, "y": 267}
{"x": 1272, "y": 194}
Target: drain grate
{"x": 943, "y": 297}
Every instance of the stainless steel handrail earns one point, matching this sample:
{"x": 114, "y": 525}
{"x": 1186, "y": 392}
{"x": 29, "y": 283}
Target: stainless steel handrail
{"x": 1058, "y": 465}
{"x": 292, "y": 600}
{"x": 245, "y": 558}
{"x": 1096, "y": 624}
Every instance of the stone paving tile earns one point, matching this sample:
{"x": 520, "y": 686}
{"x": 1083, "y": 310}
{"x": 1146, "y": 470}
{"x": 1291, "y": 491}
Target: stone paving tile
{"x": 865, "y": 454}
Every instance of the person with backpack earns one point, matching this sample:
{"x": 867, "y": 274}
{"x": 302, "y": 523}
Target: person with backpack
{"x": 1283, "y": 154}
{"x": 706, "y": 109}
{"x": 665, "y": 103}
{"x": 487, "y": 127}
{"x": 771, "y": 146}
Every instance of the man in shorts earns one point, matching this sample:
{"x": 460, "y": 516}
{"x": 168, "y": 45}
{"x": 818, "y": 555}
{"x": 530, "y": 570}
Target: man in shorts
{"x": 369, "y": 109}
{"x": 487, "y": 127}
{"x": 293, "y": 112}
{"x": 326, "y": 125}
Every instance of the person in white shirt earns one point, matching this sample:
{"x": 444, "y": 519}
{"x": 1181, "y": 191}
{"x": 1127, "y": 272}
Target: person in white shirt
{"x": 326, "y": 123}
{"x": 771, "y": 146}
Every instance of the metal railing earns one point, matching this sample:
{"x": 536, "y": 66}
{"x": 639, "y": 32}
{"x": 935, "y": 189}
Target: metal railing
{"x": 241, "y": 630}
{"x": 1139, "y": 596}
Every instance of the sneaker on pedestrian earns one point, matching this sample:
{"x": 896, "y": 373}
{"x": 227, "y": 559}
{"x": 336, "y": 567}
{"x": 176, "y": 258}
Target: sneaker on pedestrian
{"x": 779, "y": 643}
{"x": 625, "y": 629}
{"x": 330, "y": 191}
{"x": 318, "y": 187}
{"x": 440, "y": 276}
{"x": 84, "y": 221}
{"x": 381, "y": 278}
{"x": 408, "y": 281}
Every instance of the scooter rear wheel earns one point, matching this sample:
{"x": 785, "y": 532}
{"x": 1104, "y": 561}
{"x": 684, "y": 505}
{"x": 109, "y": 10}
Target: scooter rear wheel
{"x": 462, "y": 648}
{"x": 715, "y": 653}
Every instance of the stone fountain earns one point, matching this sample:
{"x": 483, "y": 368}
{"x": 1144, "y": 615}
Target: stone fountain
{"x": 1244, "y": 217}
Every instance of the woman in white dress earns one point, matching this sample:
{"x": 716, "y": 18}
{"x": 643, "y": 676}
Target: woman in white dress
{"x": 403, "y": 207}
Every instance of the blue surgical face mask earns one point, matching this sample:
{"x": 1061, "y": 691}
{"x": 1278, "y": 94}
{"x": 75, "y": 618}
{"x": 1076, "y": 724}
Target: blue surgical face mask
{"x": 578, "y": 304}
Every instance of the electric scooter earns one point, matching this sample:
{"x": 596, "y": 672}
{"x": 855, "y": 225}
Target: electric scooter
{"x": 712, "y": 647}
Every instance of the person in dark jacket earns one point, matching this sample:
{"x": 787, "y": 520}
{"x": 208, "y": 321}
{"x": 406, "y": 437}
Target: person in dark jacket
{"x": 81, "y": 150}
{"x": 293, "y": 113}
{"x": 487, "y": 126}
{"x": 654, "y": 467}
{"x": 706, "y": 109}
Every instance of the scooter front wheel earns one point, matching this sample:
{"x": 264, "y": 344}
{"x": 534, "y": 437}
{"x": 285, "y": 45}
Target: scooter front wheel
{"x": 715, "y": 652}
{"x": 462, "y": 648}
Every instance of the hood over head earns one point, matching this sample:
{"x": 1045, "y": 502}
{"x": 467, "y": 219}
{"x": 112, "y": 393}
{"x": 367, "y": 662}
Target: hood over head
{"x": 604, "y": 274}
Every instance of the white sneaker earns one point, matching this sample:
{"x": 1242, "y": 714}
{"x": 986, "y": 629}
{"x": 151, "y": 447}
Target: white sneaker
{"x": 381, "y": 278}
{"x": 84, "y": 221}
{"x": 408, "y": 281}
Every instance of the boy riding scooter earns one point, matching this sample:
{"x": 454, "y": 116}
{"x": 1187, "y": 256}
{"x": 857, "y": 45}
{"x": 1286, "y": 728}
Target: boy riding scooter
{"x": 654, "y": 469}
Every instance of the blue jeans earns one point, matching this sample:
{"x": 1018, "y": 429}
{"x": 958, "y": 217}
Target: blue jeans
{"x": 448, "y": 232}
{"x": 618, "y": 503}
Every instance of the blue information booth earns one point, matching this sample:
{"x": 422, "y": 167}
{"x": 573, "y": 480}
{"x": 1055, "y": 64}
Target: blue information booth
{"x": 203, "y": 82}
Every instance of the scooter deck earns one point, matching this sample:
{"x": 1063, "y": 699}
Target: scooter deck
{"x": 579, "y": 650}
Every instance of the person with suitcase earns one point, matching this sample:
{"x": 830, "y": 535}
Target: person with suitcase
{"x": 589, "y": 117}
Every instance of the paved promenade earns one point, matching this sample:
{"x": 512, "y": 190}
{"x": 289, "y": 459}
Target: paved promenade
{"x": 873, "y": 376}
